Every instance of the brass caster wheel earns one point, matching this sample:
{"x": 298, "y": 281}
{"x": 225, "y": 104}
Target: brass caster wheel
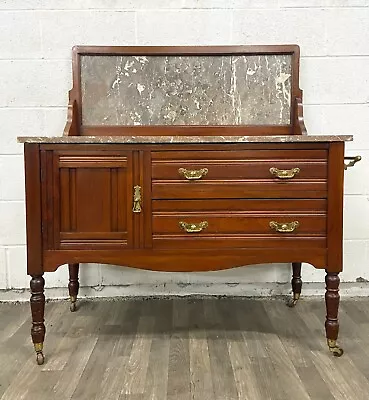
{"x": 73, "y": 303}
{"x": 333, "y": 348}
{"x": 39, "y": 354}
{"x": 40, "y": 358}
{"x": 293, "y": 301}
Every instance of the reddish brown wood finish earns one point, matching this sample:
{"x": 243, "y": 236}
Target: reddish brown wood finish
{"x": 237, "y": 218}
{"x": 296, "y": 281}
{"x": 80, "y": 197}
{"x": 187, "y": 259}
{"x": 217, "y": 242}
{"x": 244, "y": 152}
{"x": 236, "y": 199}
{"x": 257, "y": 189}
{"x": 73, "y": 285}
{"x": 237, "y": 223}
{"x": 296, "y": 284}
{"x": 332, "y": 299}
{"x": 72, "y": 125}
{"x": 335, "y": 207}
{"x": 265, "y": 206}
{"x": 37, "y": 302}
{"x": 33, "y": 181}
{"x": 299, "y": 127}
{"x": 292, "y": 50}
{"x": 91, "y": 184}
{"x": 234, "y": 169}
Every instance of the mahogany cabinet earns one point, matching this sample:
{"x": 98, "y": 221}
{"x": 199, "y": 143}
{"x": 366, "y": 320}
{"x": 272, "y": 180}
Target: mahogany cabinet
{"x": 91, "y": 200}
{"x": 139, "y": 180}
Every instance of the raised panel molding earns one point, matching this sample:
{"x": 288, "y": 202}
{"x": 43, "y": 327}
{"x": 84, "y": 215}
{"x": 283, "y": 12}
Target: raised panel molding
{"x": 95, "y": 185}
{"x": 78, "y": 161}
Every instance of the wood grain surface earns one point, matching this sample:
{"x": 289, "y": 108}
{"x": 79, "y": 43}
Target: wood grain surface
{"x": 213, "y": 348}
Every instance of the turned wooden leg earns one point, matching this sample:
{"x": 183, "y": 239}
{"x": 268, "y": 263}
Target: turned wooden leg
{"x": 37, "y": 309}
{"x": 73, "y": 285}
{"x": 332, "y": 300}
{"x": 296, "y": 283}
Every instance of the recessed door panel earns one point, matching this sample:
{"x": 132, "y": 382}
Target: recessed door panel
{"x": 95, "y": 199}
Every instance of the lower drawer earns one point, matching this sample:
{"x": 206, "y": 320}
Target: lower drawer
{"x": 251, "y": 223}
{"x": 260, "y": 206}
{"x": 239, "y": 241}
{"x": 233, "y": 189}
{"x": 210, "y": 224}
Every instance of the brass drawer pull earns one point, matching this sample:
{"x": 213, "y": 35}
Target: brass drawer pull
{"x": 284, "y": 173}
{"x": 137, "y": 199}
{"x": 193, "y": 228}
{"x": 284, "y": 227}
{"x": 192, "y": 174}
{"x": 353, "y": 161}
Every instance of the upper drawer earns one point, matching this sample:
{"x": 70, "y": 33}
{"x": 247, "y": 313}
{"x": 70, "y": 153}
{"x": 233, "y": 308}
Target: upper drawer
{"x": 276, "y": 165}
{"x": 239, "y": 174}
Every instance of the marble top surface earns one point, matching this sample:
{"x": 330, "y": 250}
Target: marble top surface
{"x": 185, "y": 139}
{"x": 239, "y": 89}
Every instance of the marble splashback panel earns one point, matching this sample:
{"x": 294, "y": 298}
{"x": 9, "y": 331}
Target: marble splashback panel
{"x": 186, "y": 90}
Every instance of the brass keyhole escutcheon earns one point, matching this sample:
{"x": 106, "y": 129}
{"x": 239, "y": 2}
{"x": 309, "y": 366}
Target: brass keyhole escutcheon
{"x": 137, "y": 199}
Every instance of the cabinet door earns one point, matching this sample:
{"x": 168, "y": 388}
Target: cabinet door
{"x": 93, "y": 199}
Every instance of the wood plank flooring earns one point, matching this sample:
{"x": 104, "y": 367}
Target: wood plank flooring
{"x": 185, "y": 349}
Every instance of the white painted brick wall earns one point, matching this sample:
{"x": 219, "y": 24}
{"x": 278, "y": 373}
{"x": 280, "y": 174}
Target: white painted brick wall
{"x": 97, "y": 27}
{"x": 34, "y": 83}
{"x": 16, "y": 267}
{"x": 36, "y": 37}
{"x": 187, "y": 27}
{"x": 289, "y": 26}
{"x": 3, "y": 280}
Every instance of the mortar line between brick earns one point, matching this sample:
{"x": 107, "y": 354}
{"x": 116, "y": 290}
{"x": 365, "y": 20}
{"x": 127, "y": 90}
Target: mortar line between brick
{"x": 183, "y": 8}
{"x": 35, "y": 107}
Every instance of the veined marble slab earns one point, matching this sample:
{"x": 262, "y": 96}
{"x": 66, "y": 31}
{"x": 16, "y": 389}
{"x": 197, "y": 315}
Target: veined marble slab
{"x": 185, "y": 139}
{"x": 186, "y": 90}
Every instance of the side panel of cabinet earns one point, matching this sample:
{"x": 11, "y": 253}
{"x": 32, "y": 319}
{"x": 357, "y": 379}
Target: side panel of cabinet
{"x": 92, "y": 199}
